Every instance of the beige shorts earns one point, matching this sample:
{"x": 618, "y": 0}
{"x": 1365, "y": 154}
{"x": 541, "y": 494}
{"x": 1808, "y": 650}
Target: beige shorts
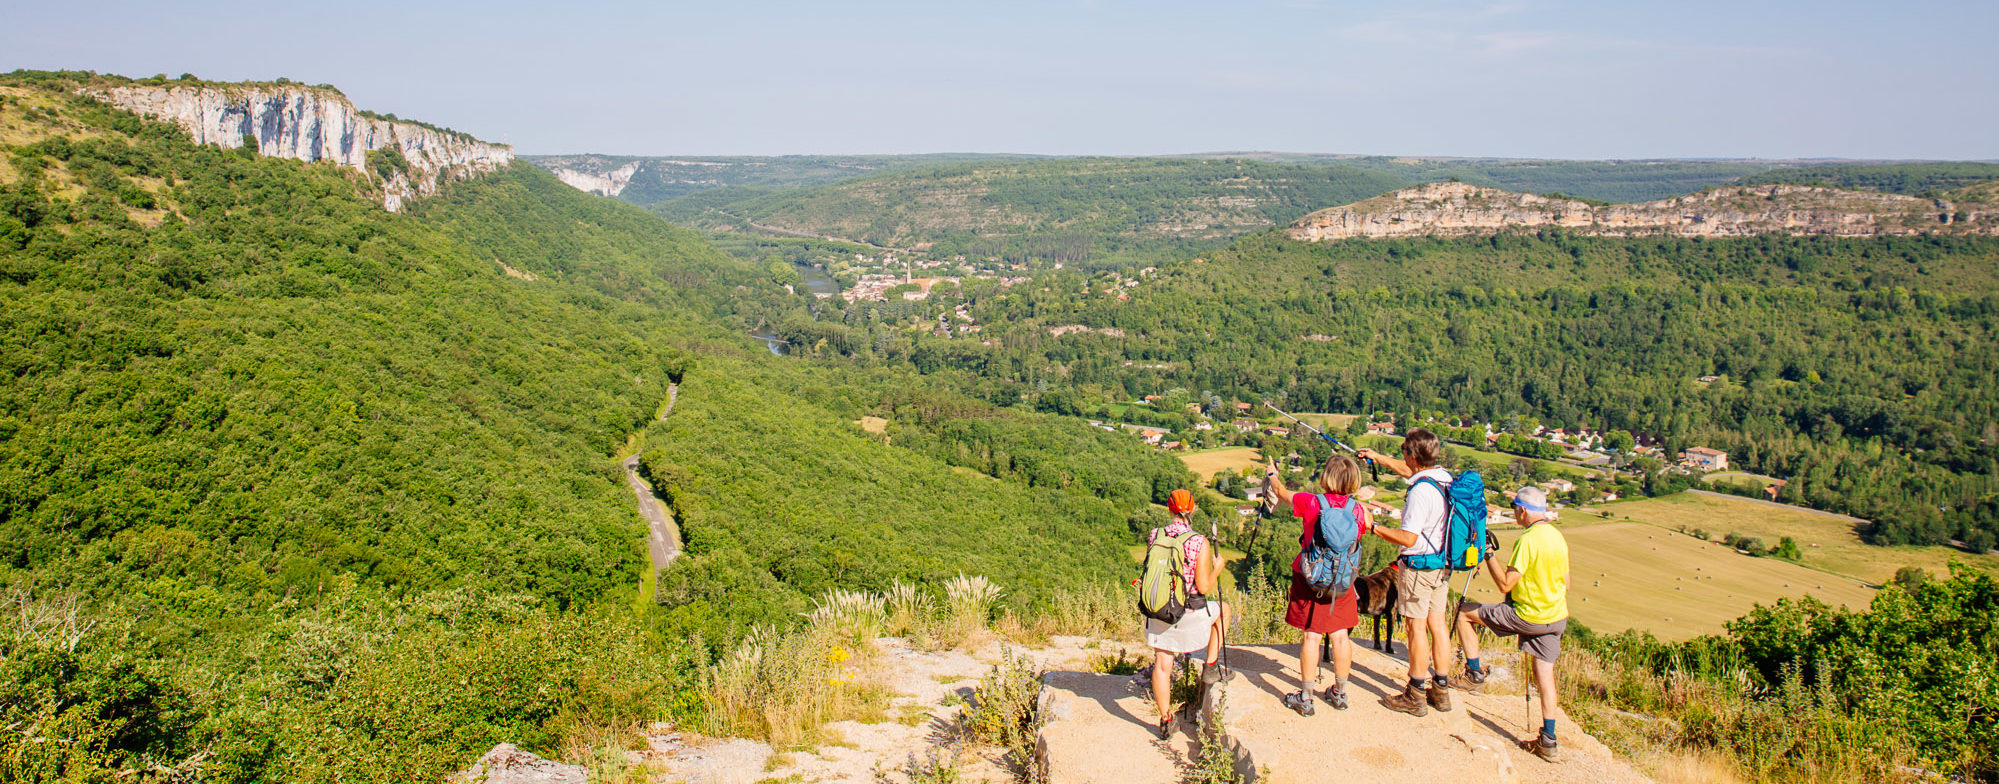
{"x": 1420, "y": 593}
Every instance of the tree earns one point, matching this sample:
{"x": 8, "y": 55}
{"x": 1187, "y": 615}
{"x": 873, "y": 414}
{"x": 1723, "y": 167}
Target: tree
{"x": 1620, "y": 440}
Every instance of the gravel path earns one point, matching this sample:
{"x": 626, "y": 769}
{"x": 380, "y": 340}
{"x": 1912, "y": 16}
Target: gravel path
{"x": 664, "y": 541}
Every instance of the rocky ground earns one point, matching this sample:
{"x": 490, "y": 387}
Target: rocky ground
{"x": 1097, "y": 728}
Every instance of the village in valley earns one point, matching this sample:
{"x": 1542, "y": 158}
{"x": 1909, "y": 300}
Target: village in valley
{"x": 1224, "y": 442}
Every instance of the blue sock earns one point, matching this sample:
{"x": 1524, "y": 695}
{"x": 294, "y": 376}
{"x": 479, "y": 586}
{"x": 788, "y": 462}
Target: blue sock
{"x": 1548, "y": 729}
{"x": 1472, "y": 664}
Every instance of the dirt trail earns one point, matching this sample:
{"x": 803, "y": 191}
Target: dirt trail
{"x": 664, "y": 541}
{"x": 1089, "y": 715}
{"x": 1097, "y": 728}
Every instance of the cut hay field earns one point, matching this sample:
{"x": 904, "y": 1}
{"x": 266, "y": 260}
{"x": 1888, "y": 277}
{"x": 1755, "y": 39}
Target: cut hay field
{"x": 1331, "y": 423}
{"x": 1626, "y": 575}
{"x": 1206, "y": 462}
{"x": 1839, "y": 547}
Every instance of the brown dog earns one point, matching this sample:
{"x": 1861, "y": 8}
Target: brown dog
{"x": 1375, "y": 596}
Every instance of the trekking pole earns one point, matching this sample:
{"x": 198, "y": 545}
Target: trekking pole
{"x": 1373, "y": 469}
{"x": 1221, "y": 595}
{"x": 1307, "y": 426}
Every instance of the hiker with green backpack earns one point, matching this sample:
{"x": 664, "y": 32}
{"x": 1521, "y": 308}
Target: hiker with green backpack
{"x": 1181, "y": 571}
{"x": 1322, "y": 603}
{"x": 1443, "y": 530}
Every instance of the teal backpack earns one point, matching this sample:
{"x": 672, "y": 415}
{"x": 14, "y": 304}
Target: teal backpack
{"x": 1464, "y": 524}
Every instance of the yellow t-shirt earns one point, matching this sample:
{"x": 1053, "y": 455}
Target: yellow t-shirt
{"x": 1542, "y": 558}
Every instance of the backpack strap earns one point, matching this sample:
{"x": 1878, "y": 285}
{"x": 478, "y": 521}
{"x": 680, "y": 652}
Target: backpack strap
{"x": 1443, "y": 497}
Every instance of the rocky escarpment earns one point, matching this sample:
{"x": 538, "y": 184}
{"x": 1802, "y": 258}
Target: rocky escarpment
{"x": 1458, "y": 209}
{"x": 592, "y": 175}
{"x": 316, "y": 124}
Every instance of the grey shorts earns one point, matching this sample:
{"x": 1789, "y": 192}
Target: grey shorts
{"x": 1540, "y": 640}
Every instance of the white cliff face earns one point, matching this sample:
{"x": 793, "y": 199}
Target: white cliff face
{"x": 1458, "y": 209}
{"x": 592, "y": 180}
{"x": 309, "y": 124}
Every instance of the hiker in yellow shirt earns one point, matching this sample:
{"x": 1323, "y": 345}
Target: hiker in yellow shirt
{"x": 1536, "y": 583}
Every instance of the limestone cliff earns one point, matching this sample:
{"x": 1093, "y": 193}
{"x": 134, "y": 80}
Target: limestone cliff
{"x": 315, "y": 124}
{"x": 592, "y": 175}
{"x": 1457, "y": 209}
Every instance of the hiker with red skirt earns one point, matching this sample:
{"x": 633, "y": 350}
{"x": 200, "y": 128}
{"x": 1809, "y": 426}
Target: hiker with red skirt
{"x": 1308, "y": 610}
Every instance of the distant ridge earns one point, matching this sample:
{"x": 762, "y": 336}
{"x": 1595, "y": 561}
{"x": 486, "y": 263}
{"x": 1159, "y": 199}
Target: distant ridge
{"x": 1460, "y": 209}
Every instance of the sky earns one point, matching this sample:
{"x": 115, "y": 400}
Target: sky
{"x": 1662, "y": 79}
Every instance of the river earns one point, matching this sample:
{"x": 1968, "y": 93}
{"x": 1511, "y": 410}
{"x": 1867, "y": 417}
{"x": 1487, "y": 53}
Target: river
{"x": 777, "y": 345}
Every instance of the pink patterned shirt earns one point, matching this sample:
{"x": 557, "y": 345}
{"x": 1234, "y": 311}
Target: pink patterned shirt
{"x": 1194, "y": 547}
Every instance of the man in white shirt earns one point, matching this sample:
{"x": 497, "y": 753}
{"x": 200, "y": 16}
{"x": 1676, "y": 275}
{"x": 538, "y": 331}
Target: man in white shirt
{"x": 1423, "y": 592}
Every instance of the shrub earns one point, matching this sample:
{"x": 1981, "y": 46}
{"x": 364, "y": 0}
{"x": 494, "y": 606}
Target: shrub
{"x": 1003, "y": 711}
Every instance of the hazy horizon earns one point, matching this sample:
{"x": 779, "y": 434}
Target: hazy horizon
{"x": 1553, "y": 79}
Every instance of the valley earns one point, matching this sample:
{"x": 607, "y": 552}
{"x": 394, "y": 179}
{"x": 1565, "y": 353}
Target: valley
{"x": 333, "y": 443}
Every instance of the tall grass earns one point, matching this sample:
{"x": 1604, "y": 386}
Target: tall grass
{"x": 781, "y": 687}
{"x": 968, "y": 605}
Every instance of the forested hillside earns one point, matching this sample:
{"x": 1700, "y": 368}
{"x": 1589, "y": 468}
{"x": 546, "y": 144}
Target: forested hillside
{"x": 1063, "y": 210}
{"x": 649, "y": 180}
{"x": 1860, "y": 368}
{"x": 1914, "y": 179}
{"x": 293, "y": 488}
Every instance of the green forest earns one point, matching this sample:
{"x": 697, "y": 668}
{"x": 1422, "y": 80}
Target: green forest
{"x": 296, "y": 489}
{"x": 1913, "y": 179}
{"x": 1858, "y": 368}
{"x": 1062, "y": 210}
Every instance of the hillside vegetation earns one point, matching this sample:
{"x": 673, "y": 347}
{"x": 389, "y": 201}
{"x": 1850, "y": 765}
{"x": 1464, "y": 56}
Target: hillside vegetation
{"x": 293, "y": 488}
{"x": 1858, "y": 368}
{"x": 655, "y": 179}
{"x": 1064, "y": 210}
{"x": 1914, "y": 179}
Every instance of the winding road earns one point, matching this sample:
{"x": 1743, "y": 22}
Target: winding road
{"x": 664, "y": 541}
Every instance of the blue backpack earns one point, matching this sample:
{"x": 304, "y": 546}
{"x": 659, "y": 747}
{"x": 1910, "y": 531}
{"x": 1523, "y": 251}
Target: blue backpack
{"x": 1334, "y": 556}
{"x": 1464, "y": 524}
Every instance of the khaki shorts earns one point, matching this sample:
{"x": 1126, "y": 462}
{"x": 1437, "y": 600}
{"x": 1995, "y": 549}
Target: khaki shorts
{"x": 1422, "y": 592}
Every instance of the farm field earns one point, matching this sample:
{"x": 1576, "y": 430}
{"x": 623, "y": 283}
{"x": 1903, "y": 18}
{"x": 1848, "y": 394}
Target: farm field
{"x": 1629, "y": 575}
{"x": 1331, "y": 423}
{"x": 1739, "y": 479}
{"x": 1206, "y": 462}
{"x": 1839, "y": 549}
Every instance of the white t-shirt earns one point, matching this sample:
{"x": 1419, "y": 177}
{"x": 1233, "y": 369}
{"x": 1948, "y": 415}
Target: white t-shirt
{"x": 1424, "y": 512}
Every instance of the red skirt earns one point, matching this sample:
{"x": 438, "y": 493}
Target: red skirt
{"x": 1305, "y": 612}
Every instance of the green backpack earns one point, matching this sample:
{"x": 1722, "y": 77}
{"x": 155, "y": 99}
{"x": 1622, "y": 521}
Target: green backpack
{"x": 1162, "y": 592}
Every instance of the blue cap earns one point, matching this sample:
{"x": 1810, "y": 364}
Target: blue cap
{"x": 1531, "y": 498}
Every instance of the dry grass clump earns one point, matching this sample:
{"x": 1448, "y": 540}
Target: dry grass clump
{"x": 781, "y": 688}
{"x": 1105, "y": 610}
{"x": 908, "y": 608}
{"x": 857, "y": 617}
{"x": 968, "y": 605}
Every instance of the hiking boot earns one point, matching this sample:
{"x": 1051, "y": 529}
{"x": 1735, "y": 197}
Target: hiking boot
{"x": 1300, "y": 701}
{"x": 1440, "y": 698}
{"x": 1542, "y": 746}
{"x": 1166, "y": 728}
{"x": 1336, "y": 697}
{"x": 1469, "y": 680}
{"x": 1215, "y": 673}
{"x": 1410, "y": 701}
